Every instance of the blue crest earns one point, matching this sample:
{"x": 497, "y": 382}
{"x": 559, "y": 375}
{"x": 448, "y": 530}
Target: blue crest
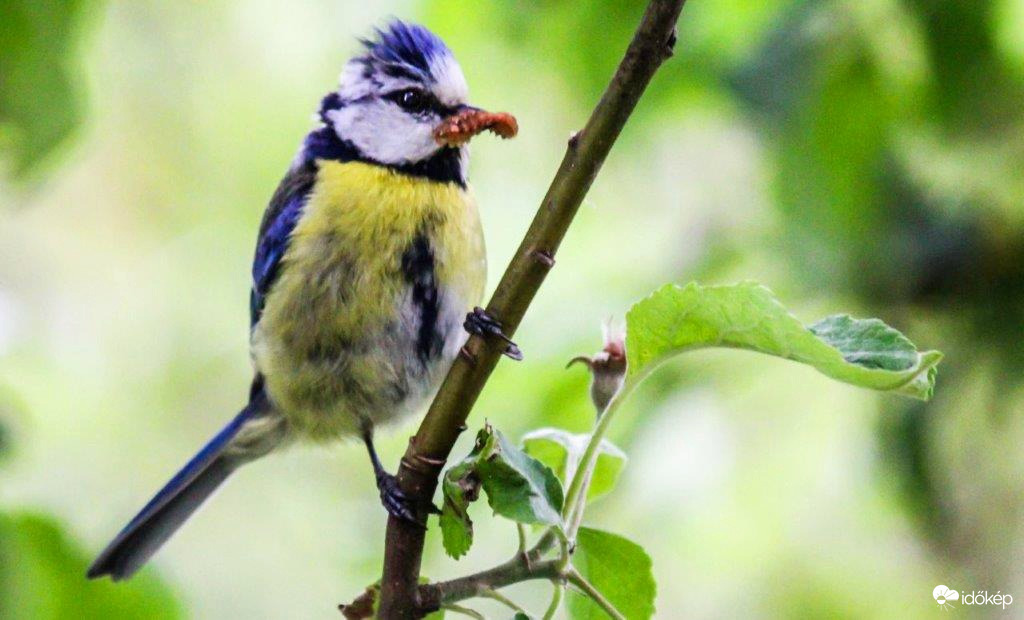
{"x": 405, "y": 46}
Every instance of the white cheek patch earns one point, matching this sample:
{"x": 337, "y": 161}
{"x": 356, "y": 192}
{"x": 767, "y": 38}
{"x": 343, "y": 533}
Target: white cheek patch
{"x": 449, "y": 83}
{"x": 384, "y": 133}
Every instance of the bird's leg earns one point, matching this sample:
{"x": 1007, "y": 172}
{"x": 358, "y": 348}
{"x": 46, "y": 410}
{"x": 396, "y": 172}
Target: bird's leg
{"x": 391, "y": 496}
{"x": 482, "y": 324}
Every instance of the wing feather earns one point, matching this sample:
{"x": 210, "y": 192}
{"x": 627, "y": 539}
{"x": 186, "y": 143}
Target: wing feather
{"x": 279, "y": 221}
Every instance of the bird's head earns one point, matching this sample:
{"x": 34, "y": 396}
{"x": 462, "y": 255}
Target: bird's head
{"x": 405, "y": 101}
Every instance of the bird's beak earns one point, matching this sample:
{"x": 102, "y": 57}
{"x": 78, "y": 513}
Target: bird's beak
{"x": 468, "y": 121}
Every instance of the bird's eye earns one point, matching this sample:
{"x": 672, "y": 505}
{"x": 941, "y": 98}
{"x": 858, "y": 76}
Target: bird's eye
{"x": 411, "y": 100}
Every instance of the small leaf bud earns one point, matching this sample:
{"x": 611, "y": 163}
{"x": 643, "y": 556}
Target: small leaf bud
{"x": 607, "y": 367}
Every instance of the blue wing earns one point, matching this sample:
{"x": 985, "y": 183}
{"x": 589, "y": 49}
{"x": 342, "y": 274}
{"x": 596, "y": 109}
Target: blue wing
{"x": 286, "y": 206}
{"x": 275, "y": 231}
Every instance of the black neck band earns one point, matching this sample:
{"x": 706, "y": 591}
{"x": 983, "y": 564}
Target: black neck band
{"x": 444, "y": 167}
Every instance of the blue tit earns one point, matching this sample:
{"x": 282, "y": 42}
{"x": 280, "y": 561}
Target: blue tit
{"x": 370, "y": 255}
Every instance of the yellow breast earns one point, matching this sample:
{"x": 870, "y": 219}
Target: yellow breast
{"x": 333, "y": 339}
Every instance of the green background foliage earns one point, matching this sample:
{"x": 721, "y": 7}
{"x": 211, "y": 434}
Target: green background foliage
{"x": 37, "y": 564}
{"x": 854, "y": 156}
{"x": 40, "y": 104}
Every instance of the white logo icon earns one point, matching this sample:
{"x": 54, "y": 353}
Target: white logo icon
{"x": 944, "y": 596}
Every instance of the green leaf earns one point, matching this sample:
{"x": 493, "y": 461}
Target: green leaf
{"x": 620, "y": 570}
{"x": 561, "y": 451}
{"x": 42, "y": 576}
{"x": 866, "y": 353}
{"x": 521, "y": 615}
{"x": 39, "y": 102}
{"x": 518, "y": 487}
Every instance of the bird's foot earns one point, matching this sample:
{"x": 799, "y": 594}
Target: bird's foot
{"x": 480, "y": 323}
{"x": 394, "y": 500}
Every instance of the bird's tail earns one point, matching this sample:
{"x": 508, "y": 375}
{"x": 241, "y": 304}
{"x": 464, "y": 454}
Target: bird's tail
{"x": 180, "y": 497}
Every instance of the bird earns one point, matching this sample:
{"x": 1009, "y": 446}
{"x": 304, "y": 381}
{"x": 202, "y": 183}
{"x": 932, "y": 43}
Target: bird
{"x": 368, "y": 264}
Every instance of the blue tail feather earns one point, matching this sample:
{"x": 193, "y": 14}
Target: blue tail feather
{"x": 173, "y": 504}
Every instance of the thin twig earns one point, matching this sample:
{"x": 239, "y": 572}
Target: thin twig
{"x": 466, "y": 611}
{"x": 521, "y": 532}
{"x": 501, "y": 598}
{"x": 556, "y": 601}
{"x": 651, "y": 45}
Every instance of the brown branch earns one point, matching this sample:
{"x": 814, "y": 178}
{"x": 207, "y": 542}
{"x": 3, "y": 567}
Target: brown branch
{"x": 429, "y": 448}
{"x": 515, "y": 570}
{"x": 525, "y": 566}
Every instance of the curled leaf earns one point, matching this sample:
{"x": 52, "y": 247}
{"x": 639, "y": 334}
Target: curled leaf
{"x": 862, "y": 352}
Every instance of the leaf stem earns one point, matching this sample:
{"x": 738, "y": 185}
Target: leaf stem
{"x": 556, "y": 600}
{"x": 465, "y": 611}
{"x": 545, "y": 542}
{"x": 575, "y": 498}
{"x": 564, "y": 547}
{"x": 585, "y": 586}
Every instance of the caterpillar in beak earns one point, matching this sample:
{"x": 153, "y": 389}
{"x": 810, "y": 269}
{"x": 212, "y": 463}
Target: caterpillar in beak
{"x": 458, "y": 128}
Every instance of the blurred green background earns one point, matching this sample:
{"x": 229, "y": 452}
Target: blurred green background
{"x": 859, "y": 155}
